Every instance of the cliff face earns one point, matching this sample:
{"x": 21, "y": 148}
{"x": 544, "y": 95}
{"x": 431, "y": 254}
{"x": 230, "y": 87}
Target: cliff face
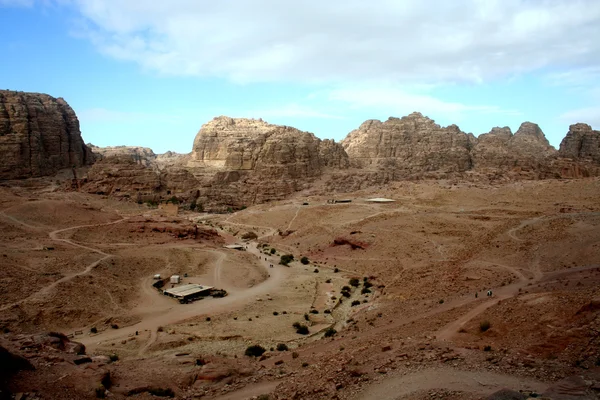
{"x": 527, "y": 149}
{"x": 39, "y": 135}
{"x": 240, "y": 144}
{"x": 410, "y": 145}
{"x": 581, "y": 142}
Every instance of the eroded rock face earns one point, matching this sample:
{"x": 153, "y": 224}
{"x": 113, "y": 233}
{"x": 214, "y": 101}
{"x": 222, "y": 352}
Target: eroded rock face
{"x": 247, "y": 144}
{"x": 409, "y": 146}
{"x": 39, "y": 135}
{"x": 246, "y": 161}
{"x": 527, "y": 149}
{"x": 581, "y": 142}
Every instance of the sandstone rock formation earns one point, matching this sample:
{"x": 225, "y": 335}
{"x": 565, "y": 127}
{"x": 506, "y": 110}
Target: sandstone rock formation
{"x": 409, "y": 146}
{"x": 581, "y": 142}
{"x": 141, "y": 155}
{"x": 39, "y": 135}
{"x": 246, "y": 161}
{"x": 527, "y": 150}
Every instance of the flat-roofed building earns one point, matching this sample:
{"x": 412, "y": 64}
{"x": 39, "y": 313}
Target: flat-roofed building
{"x": 188, "y": 292}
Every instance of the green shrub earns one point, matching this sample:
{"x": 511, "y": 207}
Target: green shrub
{"x": 113, "y": 357}
{"x": 255, "y": 351}
{"x": 275, "y": 313}
{"x": 355, "y": 303}
{"x": 301, "y": 328}
{"x": 304, "y": 364}
{"x": 316, "y": 271}
{"x": 367, "y": 284}
{"x": 346, "y": 294}
{"x": 306, "y": 318}
{"x": 365, "y": 290}
{"x": 286, "y": 259}
{"x": 304, "y": 260}
{"x": 354, "y": 282}
{"x": 487, "y": 348}
{"x": 282, "y": 347}
{"x": 336, "y": 270}
{"x": 295, "y": 355}
{"x": 273, "y": 251}
{"x": 330, "y": 332}
{"x": 94, "y": 329}
{"x": 484, "y": 326}
{"x": 346, "y": 289}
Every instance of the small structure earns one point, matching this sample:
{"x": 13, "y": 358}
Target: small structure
{"x": 175, "y": 279}
{"x": 236, "y": 246}
{"x": 169, "y": 209}
{"x": 189, "y": 292}
{"x": 380, "y": 200}
{"x": 156, "y": 276}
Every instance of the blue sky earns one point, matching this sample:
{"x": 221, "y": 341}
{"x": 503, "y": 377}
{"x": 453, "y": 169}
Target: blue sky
{"x": 151, "y": 73}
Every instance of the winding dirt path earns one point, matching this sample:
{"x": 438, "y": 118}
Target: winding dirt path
{"x": 40, "y": 294}
{"x": 478, "y": 382}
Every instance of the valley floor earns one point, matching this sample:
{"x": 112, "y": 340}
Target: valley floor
{"x": 417, "y": 322}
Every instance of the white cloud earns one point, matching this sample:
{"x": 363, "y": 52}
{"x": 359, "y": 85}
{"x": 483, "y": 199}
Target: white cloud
{"x": 401, "y": 102}
{"x": 347, "y": 40}
{"x": 292, "y": 110}
{"x": 588, "y": 115}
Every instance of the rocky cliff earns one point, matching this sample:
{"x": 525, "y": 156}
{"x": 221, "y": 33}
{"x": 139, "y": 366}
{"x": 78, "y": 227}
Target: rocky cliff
{"x": 39, "y": 135}
{"x": 581, "y": 142}
{"x": 409, "y": 146}
{"x": 246, "y": 161}
{"x": 527, "y": 150}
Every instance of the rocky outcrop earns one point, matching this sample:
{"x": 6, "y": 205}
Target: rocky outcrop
{"x": 141, "y": 155}
{"x": 581, "y": 142}
{"x": 526, "y": 150}
{"x": 409, "y": 146}
{"x": 39, "y": 135}
{"x": 246, "y": 161}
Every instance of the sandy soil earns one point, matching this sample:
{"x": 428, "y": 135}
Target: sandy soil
{"x": 73, "y": 262}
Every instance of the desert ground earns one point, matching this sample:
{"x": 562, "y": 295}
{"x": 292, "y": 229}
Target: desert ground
{"x": 417, "y": 323}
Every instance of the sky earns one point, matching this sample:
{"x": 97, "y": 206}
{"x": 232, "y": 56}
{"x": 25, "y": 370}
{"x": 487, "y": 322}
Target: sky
{"x": 150, "y": 73}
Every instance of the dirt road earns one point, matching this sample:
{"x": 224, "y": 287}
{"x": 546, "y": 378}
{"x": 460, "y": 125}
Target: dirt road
{"x": 477, "y": 382}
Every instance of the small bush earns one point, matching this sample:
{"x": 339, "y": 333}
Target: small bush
{"x": 275, "y": 313}
{"x": 304, "y": 260}
{"x": 355, "y": 303}
{"x": 441, "y": 301}
{"x": 367, "y": 284}
{"x": 113, "y": 357}
{"x": 295, "y": 355}
{"x": 94, "y": 330}
{"x": 330, "y": 332}
{"x": 255, "y": 351}
{"x": 346, "y": 288}
{"x": 346, "y": 294}
{"x": 316, "y": 271}
{"x": 365, "y": 290}
{"x": 114, "y": 326}
{"x": 306, "y": 318}
{"x": 282, "y": 347}
{"x": 273, "y": 251}
{"x": 314, "y": 311}
{"x": 160, "y": 392}
{"x": 160, "y": 329}
{"x": 207, "y": 319}
{"x": 301, "y": 328}
{"x": 327, "y": 311}
{"x": 484, "y": 326}
{"x": 336, "y": 270}
{"x": 487, "y": 348}
{"x": 328, "y": 281}
{"x": 304, "y": 364}
{"x": 286, "y": 259}
{"x": 354, "y": 282}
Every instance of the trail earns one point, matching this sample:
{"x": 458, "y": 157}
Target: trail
{"x": 53, "y": 235}
{"x": 478, "y": 382}
{"x": 293, "y": 219}
{"x": 169, "y": 312}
